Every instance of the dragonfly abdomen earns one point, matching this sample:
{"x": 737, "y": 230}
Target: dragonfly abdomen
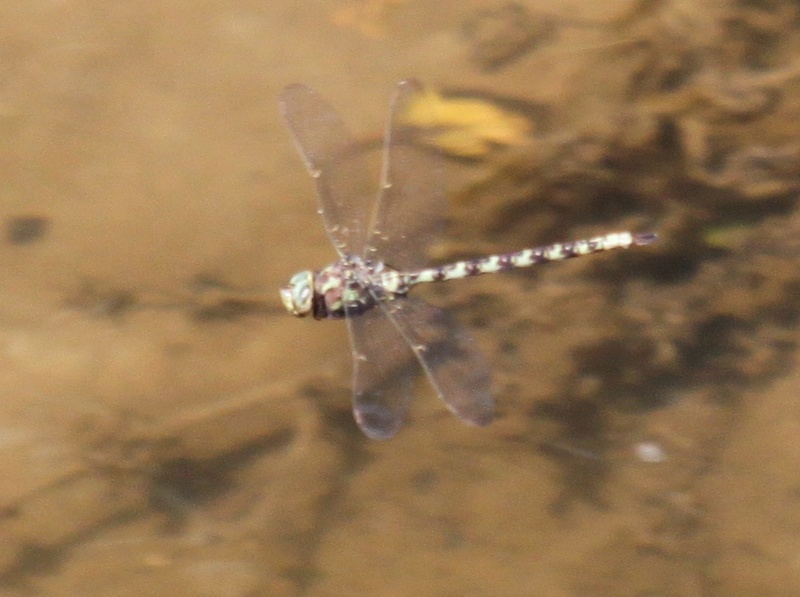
{"x": 526, "y": 258}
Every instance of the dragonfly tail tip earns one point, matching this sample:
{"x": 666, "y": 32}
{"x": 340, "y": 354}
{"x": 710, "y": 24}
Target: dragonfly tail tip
{"x": 645, "y": 238}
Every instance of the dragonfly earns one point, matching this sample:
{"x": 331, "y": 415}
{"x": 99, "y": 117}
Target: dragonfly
{"x": 382, "y": 240}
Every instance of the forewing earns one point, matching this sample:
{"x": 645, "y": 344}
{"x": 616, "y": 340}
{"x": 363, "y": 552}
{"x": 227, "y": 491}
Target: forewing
{"x": 339, "y": 167}
{"x": 411, "y": 206}
{"x": 383, "y": 371}
{"x": 449, "y": 354}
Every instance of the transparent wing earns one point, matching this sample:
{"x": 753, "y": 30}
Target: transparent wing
{"x": 411, "y": 206}
{"x": 383, "y": 370}
{"x": 449, "y": 354}
{"x": 339, "y": 167}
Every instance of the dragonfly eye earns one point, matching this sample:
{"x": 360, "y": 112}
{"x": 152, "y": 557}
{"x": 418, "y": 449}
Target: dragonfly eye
{"x": 298, "y": 294}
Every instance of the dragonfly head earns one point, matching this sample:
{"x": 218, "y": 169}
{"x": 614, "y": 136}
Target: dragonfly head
{"x": 298, "y": 295}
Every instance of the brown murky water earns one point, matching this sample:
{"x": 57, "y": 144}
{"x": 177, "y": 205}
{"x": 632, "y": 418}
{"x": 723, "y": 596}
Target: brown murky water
{"x": 167, "y": 430}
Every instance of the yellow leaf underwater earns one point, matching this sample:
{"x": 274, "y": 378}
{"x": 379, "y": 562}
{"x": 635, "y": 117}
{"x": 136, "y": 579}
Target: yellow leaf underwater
{"x": 466, "y": 127}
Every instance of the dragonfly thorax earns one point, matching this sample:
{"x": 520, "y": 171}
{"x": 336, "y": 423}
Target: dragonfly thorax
{"x": 349, "y": 287}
